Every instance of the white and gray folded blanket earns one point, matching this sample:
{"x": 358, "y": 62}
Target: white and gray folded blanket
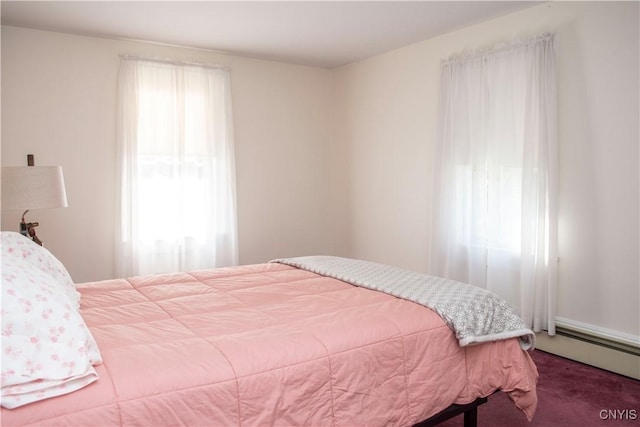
{"x": 474, "y": 314}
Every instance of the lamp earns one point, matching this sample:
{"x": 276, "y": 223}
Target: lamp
{"x": 32, "y": 187}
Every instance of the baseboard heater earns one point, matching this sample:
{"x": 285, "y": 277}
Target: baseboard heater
{"x": 625, "y": 345}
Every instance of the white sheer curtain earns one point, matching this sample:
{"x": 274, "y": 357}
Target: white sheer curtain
{"x": 495, "y": 174}
{"x": 176, "y": 168}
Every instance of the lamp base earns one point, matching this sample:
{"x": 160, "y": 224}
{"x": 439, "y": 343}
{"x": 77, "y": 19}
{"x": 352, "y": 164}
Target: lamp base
{"x": 29, "y": 229}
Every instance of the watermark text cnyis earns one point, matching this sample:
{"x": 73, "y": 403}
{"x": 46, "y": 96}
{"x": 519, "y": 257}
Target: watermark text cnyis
{"x": 618, "y": 414}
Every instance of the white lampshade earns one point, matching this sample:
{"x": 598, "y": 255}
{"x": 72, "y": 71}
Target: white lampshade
{"x": 33, "y": 187}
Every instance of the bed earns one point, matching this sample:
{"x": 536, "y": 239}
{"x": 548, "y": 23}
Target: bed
{"x": 268, "y": 344}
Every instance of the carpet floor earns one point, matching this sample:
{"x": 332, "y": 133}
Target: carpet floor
{"x": 569, "y": 394}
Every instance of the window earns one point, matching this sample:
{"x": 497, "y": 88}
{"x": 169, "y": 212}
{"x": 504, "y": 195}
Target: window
{"x": 177, "y": 201}
{"x": 494, "y": 218}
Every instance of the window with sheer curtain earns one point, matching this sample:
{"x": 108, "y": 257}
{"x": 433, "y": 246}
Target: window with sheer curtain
{"x": 495, "y": 174}
{"x": 176, "y": 168}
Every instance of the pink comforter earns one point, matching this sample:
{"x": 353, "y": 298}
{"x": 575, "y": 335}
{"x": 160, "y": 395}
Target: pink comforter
{"x": 270, "y": 344}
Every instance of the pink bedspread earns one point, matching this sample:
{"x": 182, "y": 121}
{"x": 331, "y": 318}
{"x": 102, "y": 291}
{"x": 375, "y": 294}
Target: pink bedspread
{"x": 270, "y": 344}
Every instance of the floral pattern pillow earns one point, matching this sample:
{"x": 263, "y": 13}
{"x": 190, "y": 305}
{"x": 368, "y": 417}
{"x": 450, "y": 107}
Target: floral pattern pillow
{"x": 16, "y": 245}
{"x": 47, "y": 349}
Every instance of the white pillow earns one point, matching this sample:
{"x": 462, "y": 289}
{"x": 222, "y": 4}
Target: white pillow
{"x": 16, "y": 245}
{"x": 47, "y": 349}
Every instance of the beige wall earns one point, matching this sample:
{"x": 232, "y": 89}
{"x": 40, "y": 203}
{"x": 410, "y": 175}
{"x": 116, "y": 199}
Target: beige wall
{"x": 339, "y": 161}
{"x": 388, "y": 112}
{"x": 59, "y": 103}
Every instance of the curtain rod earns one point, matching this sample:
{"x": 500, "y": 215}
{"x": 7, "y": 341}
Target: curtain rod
{"x": 174, "y": 62}
{"x": 499, "y": 48}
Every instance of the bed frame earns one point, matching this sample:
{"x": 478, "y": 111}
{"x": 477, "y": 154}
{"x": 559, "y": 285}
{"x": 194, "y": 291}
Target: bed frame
{"x": 470, "y": 411}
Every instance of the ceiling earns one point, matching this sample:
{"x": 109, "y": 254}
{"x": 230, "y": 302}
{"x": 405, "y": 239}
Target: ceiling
{"x": 317, "y": 33}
